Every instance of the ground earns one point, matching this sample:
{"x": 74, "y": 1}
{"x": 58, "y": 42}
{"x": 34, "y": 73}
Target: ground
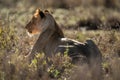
{"x": 100, "y": 24}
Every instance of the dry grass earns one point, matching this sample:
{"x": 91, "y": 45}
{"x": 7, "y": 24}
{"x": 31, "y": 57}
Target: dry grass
{"x": 15, "y": 44}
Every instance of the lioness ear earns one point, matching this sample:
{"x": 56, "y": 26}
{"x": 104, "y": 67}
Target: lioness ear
{"x": 42, "y": 15}
{"x": 37, "y": 10}
{"x": 46, "y": 11}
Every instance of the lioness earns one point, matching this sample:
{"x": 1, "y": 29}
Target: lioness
{"x": 52, "y": 40}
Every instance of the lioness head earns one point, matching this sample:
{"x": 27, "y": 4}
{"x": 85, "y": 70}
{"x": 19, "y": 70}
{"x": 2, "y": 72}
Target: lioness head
{"x": 40, "y": 22}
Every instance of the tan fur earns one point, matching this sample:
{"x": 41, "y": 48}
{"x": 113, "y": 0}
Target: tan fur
{"x": 37, "y": 25}
{"x": 49, "y": 32}
{"x": 51, "y": 39}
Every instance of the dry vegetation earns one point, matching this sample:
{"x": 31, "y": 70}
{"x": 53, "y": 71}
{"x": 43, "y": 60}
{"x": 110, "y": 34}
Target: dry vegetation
{"x": 100, "y": 17}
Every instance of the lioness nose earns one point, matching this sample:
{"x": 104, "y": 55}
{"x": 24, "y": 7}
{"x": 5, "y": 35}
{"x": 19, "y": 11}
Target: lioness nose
{"x": 30, "y": 31}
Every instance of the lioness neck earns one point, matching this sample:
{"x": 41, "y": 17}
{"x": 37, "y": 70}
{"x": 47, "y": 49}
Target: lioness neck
{"x": 47, "y": 39}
